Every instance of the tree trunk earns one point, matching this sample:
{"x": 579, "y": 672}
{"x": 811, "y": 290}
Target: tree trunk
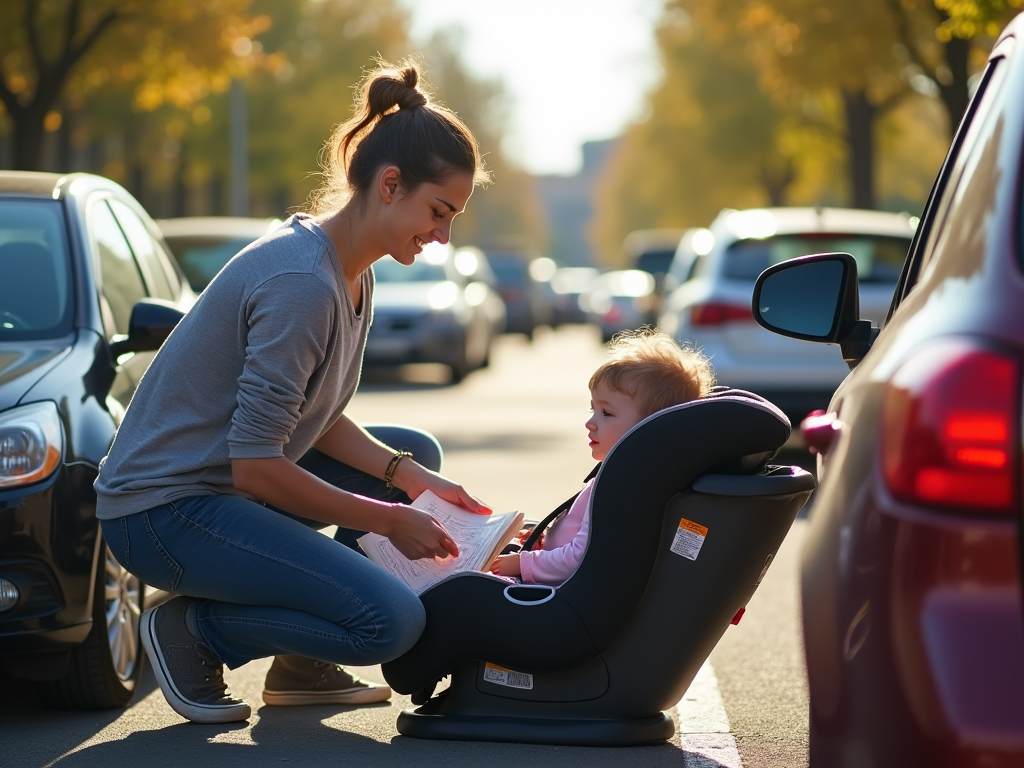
{"x": 860, "y": 140}
{"x": 28, "y": 138}
{"x": 955, "y": 94}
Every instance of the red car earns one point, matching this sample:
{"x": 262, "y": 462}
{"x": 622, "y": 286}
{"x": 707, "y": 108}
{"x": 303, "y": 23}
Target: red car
{"x": 913, "y": 614}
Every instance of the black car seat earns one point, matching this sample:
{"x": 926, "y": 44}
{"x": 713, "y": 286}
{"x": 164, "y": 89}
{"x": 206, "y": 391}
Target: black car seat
{"x": 686, "y": 517}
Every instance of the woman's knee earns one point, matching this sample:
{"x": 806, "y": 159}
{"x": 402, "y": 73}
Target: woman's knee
{"x": 404, "y": 625}
{"x": 425, "y": 448}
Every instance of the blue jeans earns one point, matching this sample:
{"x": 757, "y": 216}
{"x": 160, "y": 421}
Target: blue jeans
{"x": 268, "y": 582}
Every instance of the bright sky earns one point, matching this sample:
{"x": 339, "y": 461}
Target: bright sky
{"x": 576, "y": 69}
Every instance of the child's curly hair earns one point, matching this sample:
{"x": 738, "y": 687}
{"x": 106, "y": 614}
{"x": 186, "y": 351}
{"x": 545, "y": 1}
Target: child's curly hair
{"x": 648, "y": 366}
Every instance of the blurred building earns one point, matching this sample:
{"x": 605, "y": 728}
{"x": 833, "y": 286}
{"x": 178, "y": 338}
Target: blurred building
{"x": 568, "y": 205}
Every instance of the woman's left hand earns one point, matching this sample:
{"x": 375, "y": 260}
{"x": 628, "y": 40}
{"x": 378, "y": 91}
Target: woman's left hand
{"x": 415, "y": 479}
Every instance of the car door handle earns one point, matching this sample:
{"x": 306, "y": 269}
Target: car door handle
{"x": 819, "y": 430}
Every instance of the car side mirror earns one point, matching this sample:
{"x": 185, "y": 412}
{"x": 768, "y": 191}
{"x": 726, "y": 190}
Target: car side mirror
{"x": 815, "y": 298}
{"x": 151, "y": 323}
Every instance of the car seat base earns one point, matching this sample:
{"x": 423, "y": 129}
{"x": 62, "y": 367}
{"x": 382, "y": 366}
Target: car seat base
{"x": 530, "y": 730}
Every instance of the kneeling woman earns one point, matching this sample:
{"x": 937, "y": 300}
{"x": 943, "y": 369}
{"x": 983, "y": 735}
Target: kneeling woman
{"x": 236, "y": 445}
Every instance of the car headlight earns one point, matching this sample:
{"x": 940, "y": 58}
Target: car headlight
{"x": 31, "y": 444}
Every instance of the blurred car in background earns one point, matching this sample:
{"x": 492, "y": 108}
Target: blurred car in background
{"x": 913, "y": 614}
{"x": 712, "y": 311}
{"x": 620, "y": 300}
{"x": 652, "y": 250}
{"x": 88, "y": 292}
{"x": 693, "y": 245}
{"x": 429, "y": 312}
{"x": 527, "y": 301}
{"x": 204, "y": 244}
{"x": 568, "y": 284}
{"x": 472, "y": 264}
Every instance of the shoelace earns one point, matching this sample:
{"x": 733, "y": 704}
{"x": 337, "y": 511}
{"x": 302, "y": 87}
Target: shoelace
{"x": 213, "y": 675}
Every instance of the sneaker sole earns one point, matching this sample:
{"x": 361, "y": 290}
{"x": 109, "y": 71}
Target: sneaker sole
{"x": 303, "y": 698}
{"x": 190, "y": 710}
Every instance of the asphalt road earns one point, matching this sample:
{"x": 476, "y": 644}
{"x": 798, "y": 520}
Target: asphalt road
{"x": 513, "y": 435}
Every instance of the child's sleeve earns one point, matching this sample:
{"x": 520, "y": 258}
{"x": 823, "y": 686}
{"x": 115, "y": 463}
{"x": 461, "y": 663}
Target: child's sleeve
{"x": 553, "y": 566}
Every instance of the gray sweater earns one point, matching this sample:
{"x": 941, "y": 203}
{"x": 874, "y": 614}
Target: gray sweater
{"x": 260, "y": 367}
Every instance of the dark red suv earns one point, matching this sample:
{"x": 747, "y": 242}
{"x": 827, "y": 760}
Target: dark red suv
{"x": 912, "y": 605}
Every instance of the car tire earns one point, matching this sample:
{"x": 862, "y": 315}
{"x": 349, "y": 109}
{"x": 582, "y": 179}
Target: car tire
{"x": 459, "y": 367}
{"x": 105, "y": 669}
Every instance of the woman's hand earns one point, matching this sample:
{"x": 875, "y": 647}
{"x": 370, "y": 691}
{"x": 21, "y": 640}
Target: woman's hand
{"x": 506, "y": 565}
{"x": 416, "y": 534}
{"x": 415, "y": 479}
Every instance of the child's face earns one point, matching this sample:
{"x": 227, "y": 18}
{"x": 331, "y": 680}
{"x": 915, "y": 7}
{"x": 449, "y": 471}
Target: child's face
{"x": 614, "y": 414}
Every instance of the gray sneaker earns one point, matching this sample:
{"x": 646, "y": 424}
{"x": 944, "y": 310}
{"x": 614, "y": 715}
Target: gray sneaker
{"x": 190, "y": 676}
{"x": 295, "y": 680}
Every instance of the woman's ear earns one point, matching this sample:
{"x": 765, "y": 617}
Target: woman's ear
{"x": 390, "y": 179}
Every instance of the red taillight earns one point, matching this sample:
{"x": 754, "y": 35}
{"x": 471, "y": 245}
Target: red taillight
{"x": 950, "y": 428}
{"x": 719, "y": 314}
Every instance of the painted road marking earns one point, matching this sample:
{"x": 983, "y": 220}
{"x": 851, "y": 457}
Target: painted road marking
{"x": 703, "y": 724}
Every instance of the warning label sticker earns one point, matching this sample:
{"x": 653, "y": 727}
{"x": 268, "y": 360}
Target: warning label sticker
{"x": 507, "y": 677}
{"x": 689, "y": 539}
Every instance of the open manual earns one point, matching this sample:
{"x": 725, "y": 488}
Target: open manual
{"x": 480, "y": 538}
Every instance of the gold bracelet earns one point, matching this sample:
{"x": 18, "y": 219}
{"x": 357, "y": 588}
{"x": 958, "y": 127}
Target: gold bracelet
{"x": 389, "y": 473}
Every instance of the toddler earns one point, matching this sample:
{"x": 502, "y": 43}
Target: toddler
{"x": 647, "y": 372}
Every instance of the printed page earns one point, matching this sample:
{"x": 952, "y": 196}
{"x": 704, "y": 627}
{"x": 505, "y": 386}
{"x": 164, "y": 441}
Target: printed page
{"x": 478, "y": 536}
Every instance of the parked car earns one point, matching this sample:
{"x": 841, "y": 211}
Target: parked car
{"x": 204, "y": 244}
{"x": 429, "y": 313}
{"x": 652, "y": 250}
{"x": 528, "y": 302}
{"x": 568, "y": 284}
{"x": 472, "y": 264}
{"x": 620, "y": 300}
{"x": 913, "y": 614}
{"x": 87, "y": 294}
{"x": 711, "y": 310}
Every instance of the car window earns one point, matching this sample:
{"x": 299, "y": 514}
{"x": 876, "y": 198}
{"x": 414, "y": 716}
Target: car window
{"x": 147, "y": 252}
{"x": 879, "y": 258}
{"x": 390, "y": 271}
{"x": 202, "y": 257}
{"x": 965, "y": 136}
{"x": 122, "y": 283}
{"x": 35, "y": 273}
{"x": 509, "y": 268}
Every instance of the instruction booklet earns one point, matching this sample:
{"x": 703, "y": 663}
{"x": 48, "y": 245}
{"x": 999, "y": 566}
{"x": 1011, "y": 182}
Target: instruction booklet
{"x": 480, "y": 538}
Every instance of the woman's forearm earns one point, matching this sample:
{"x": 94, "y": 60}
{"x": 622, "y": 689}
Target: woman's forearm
{"x": 282, "y": 484}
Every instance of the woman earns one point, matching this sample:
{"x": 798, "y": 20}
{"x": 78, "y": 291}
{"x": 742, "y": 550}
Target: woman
{"x": 240, "y": 417}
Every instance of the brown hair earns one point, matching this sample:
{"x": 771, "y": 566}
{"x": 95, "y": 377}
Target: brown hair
{"x": 648, "y": 366}
{"x": 394, "y": 123}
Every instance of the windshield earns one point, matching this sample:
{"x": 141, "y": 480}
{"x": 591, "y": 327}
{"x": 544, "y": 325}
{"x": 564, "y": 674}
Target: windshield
{"x": 35, "y": 273}
{"x": 388, "y": 270}
{"x": 879, "y": 257}
{"x": 508, "y": 266}
{"x": 201, "y": 258}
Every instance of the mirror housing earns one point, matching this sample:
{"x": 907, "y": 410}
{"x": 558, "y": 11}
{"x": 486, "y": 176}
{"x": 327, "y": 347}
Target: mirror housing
{"x": 151, "y": 323}
{"x": 816, "y": 298}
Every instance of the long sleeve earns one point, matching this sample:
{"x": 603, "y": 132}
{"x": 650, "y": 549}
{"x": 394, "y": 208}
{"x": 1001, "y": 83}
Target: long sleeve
{"x": 555, "y": 565}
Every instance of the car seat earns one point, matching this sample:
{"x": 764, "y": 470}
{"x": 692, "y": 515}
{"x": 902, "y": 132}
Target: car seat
{"x": 686, "y": 517}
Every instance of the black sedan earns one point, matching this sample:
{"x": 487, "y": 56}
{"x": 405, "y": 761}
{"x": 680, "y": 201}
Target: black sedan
{"x": 87, "y": 294}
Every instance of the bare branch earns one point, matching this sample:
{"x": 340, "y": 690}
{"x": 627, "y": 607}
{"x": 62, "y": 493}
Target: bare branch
{"x": 905, "y": 36}
{"x": 35, "y": 47}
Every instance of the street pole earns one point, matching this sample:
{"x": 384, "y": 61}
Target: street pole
{"x": 239, "y": 150}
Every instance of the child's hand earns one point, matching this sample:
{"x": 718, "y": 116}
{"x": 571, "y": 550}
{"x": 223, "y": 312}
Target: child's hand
{"x": 506, "y": 565}
{"x": 524, "y": 534}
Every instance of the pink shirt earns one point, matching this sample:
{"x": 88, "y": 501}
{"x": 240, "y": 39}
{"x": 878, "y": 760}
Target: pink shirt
{"x": 564, "y": 544}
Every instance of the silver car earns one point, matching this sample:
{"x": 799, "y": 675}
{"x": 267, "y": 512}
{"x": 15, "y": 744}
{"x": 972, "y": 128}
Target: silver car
{"x": 711, "y": 309}
{"x": 430, "y": 312}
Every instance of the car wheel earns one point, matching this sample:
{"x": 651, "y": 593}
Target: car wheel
{"x": 104, "y": 670}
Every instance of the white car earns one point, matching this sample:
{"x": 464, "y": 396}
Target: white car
{"x": 711, "y": 309}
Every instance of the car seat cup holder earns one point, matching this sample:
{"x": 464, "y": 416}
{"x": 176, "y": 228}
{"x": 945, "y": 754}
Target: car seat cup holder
{"x": 597, "y": 660}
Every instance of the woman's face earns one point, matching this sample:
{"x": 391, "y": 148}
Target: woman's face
{"x": 423, "y": 215}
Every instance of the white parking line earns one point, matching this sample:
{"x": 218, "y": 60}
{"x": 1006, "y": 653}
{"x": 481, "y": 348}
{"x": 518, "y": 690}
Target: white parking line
{"x": 703, "y": 724}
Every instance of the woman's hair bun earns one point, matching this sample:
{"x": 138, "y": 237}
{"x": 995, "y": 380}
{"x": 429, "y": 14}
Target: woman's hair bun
{"x": 395, "y": 89}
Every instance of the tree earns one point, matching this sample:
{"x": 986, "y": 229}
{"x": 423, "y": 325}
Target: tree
{"x": 169, "y": 51}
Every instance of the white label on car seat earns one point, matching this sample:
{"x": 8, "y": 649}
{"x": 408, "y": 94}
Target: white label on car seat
{"x": 507, "y": 677}
{"x": 689, "y": 539}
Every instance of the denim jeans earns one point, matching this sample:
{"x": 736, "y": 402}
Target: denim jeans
{"x": 268, "y": 582}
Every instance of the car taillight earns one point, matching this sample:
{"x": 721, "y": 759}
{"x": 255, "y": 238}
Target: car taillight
{"x": 718, "y": 314}
{"x": 950, "y": 428}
